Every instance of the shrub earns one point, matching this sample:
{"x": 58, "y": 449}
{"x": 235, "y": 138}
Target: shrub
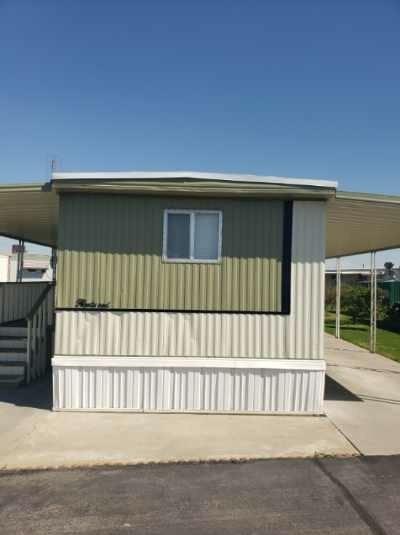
{"x": 356, "y": 303}
{"x": 330, "y": 298}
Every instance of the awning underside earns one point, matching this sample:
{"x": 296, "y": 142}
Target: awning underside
{"x": 356, "y": 223}
{"x": 29, "y": 213}
{"x": 359, "y": 223}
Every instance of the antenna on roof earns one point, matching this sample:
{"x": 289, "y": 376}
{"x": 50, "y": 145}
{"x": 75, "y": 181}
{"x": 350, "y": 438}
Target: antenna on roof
{"x": 52, "y": 168}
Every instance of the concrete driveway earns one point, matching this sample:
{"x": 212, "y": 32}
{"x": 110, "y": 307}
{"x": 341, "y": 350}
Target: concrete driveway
{"x": 363, "y": 397}
{"x": 32, "y": 436}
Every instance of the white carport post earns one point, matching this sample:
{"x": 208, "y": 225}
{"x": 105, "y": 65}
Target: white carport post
{"x": 373, "y": 311}
{"x": 338, "y": 295}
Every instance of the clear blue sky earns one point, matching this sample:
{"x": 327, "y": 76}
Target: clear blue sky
{"x": 283, "y": 87}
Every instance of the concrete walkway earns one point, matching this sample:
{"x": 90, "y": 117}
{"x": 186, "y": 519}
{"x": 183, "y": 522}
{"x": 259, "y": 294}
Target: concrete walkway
{"x": 363, "y": 397}
{"x": 362, "y": 406}
{"x": 32, "y": 436}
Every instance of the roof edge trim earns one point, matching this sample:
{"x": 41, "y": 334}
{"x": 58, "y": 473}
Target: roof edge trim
{"x": 35, "y": 187}
{"x": 154, "y": 175}
{"x": 368, "y": 197}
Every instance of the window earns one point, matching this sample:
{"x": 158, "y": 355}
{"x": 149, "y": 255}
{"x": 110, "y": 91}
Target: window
{"x": 192, "y": 236}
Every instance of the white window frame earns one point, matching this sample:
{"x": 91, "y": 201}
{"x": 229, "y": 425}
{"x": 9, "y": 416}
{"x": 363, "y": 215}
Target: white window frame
{"x": 191, "y": 259}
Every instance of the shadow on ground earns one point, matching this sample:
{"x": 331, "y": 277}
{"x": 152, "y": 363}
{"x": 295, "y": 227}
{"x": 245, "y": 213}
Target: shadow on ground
{"x": 336, "y": 392}
{"x": 36, "y": 395}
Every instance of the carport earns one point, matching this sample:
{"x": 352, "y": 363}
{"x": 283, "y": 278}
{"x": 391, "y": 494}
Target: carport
{"x": 28, "y": 212}
{"x": 362, "y": 395}
{"x": 362, "y": 223}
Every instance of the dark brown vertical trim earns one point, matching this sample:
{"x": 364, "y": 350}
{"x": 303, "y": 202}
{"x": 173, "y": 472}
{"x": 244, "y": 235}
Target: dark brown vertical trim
{"x": 287, "y": 256}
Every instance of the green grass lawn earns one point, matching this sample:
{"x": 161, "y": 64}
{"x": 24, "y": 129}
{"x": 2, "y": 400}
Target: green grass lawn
{"x": 387, "y": 342}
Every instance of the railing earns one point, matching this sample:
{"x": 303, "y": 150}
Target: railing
{"x": 40, "y": 334}
{"x": 18, "y": 298}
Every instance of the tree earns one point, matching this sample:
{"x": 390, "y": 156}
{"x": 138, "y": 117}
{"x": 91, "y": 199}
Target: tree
{"x": 356, "y": 303}
{"x": 389, "y": 273}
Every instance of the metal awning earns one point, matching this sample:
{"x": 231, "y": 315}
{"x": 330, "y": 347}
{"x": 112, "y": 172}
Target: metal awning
{"x": 356, "y": 222}
{"x": 29, "y": 212}
{"x": 362, "y": 222}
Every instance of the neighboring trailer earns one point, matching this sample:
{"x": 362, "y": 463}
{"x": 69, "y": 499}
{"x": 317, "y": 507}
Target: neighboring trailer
{"x": 36, "y": 267}
{"x": 393, "y": 291}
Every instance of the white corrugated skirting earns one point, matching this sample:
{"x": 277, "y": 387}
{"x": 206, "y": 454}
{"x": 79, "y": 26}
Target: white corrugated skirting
{"x": 168, "y": 334}
{"x": 188, "y": 385}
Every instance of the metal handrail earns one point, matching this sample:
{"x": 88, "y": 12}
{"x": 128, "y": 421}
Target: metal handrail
{"x": 17, "y": 299}
{"x": 38, "y": 301}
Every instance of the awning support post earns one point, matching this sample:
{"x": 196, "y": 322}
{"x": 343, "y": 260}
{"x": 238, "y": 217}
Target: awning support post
{"x": 338, "y": 296}
{"x": 20, "y": 259}
{"x": 373, "y": 308}
{"x": 53, "y": 262}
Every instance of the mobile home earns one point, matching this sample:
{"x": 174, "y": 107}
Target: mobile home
{"x": 190, "y": 291}
{"x": 36, "y": 267}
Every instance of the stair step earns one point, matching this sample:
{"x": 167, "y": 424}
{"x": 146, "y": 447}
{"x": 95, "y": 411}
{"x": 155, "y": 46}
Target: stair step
{"x": 9, "y": 343}
{"x": 7, "y": 358}
{"x": 11, "y": 351}
{"x": 13, "y": 332}
{"x": 12, "y": 354}
{"x": 11, "y": 370}
{"x": 13, "y": 381}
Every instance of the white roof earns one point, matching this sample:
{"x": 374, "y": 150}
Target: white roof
{"x": 165, "y": 175}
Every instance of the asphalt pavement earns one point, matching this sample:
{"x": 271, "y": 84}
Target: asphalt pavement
{"x": 358, "y": 495}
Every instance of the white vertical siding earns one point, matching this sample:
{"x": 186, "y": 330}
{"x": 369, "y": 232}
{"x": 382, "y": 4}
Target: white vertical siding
{"x": 187, "y": 385}
{"x": 169, "y": 334}
{"x": 298, "y": 335}
{"x": 306, "y": 324}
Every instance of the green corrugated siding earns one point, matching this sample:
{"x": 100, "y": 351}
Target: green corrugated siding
{"x": 110, "y": 251}
{"x": 393, "y": 290}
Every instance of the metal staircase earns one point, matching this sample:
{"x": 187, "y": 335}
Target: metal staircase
{"x": 26, "y": 344}
{"x": 13, "y": 355}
